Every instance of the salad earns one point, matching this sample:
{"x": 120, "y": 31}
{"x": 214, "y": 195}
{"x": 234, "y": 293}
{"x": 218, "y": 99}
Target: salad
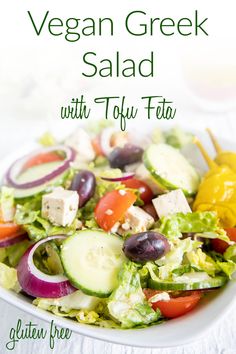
{"x": 118, "y": 232}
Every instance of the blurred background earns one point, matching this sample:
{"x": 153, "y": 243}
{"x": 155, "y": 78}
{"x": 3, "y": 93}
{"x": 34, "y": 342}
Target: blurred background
{"x": 39, "y": 74}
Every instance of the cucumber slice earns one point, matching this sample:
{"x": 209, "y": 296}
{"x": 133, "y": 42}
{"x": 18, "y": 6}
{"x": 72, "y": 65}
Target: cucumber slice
{"x": 34, "y": 173}
{"x": 92, "y": 260}
{"x": 171, "y": 169}
{"x": 190, "y": 283}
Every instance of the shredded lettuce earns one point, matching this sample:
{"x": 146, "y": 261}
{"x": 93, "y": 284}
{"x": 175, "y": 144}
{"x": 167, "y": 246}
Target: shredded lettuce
{"x": 25, "y": 214}
{"x": 175, "y": 137}
{"x": 79, "y": 306}
{"x": 185, "y": 268}
{"x": 75, "y": 301}
{"x": 8, "y": 278}
{"x": 127, "y": 304}
{"x": 202, "y": 262}
{"x": 230, "y": 253}
{"x": 7, "y": 208}
{"x": 225, "y": 262}
{"x": 178, "y": 138}
{"x": 15, "y": 252}
{"x": 158, "y": 136}
{"x": 42, "y": 228}
{"x": 98, "y": 126}
{"x": 174, "y": 226}
{"x": 3, "y": 254}
{"x": 28, "y": 214}
{"x": 228, "y": 267}
{"x": 211, "y": 263}
{"x": 47, "y": 139}
{"x": 174, "y": 258}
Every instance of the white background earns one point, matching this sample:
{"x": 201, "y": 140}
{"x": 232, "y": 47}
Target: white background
{"x": 40, "y": 74}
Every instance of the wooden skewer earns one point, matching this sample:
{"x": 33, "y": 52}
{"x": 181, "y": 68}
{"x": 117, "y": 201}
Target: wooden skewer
{"x": 214, "y": 141}
{"x": 211, "y": 163}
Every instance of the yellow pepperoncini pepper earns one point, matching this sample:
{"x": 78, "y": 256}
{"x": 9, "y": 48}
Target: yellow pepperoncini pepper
{"x": 217, "y": 191}
{"x": 223, "y": 157}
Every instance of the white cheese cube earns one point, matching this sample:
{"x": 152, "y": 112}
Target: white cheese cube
{"x": 137, "y": 220}
{"x": 171, "y": 203}
{"x": 144, "y": 175}
{"x": 80, "y": 141}
{"x": 60, "y": 206}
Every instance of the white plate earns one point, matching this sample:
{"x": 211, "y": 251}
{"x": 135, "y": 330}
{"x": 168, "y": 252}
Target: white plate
{"x": 171, "y": 333}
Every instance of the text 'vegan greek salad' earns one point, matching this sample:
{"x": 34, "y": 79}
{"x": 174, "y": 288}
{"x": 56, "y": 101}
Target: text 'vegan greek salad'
{"x": 116, "y": 232}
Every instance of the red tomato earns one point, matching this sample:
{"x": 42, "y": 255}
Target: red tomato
{"x": 145, "y": 191}
{"x": 221, "y": 246}
{"x": 176, "y": 306}
{"x": 9, "y": 230}
{"x": 112, "y": 207}
{"x": 97, "y": 146}
{"x": 42, "y": 158}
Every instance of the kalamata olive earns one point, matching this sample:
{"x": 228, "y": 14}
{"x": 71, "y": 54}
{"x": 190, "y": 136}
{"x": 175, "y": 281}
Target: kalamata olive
{"x": 149, "y": 208}
{"x": 146, "y": 246}
{"x": 120, "y": 157}
{"x": 84, "y": 183}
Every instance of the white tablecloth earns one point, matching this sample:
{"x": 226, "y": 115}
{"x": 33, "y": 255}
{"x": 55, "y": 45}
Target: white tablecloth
{"x": 220, "y": 340}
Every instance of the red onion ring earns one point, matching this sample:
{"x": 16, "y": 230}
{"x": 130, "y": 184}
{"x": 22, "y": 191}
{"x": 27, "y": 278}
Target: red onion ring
{"x": 16, "y": 168}
{"x": 38, "y": 284}
{"x": 125, "y": 177}
{"x": 9, "y": 241}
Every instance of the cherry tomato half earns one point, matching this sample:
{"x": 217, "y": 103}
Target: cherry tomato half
{"x": 9, "y": 230}
{"x": 112, "y": 207}
{"x": 221, "y": 246}
{"x": 42, "y": 158}
{"x": 176, "y": 306}
{"x": 146, "y": 193}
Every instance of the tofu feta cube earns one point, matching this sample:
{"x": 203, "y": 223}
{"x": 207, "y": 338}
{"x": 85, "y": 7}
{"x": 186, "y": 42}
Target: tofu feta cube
{"x": 137, "y": 220}
{"x": 80, "y": 141}
{"x": 60, "y": 206}
{"x": 171, "y": 203}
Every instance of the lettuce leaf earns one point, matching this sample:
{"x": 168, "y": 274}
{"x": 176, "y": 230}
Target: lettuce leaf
{"x": 127, "y": 304}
